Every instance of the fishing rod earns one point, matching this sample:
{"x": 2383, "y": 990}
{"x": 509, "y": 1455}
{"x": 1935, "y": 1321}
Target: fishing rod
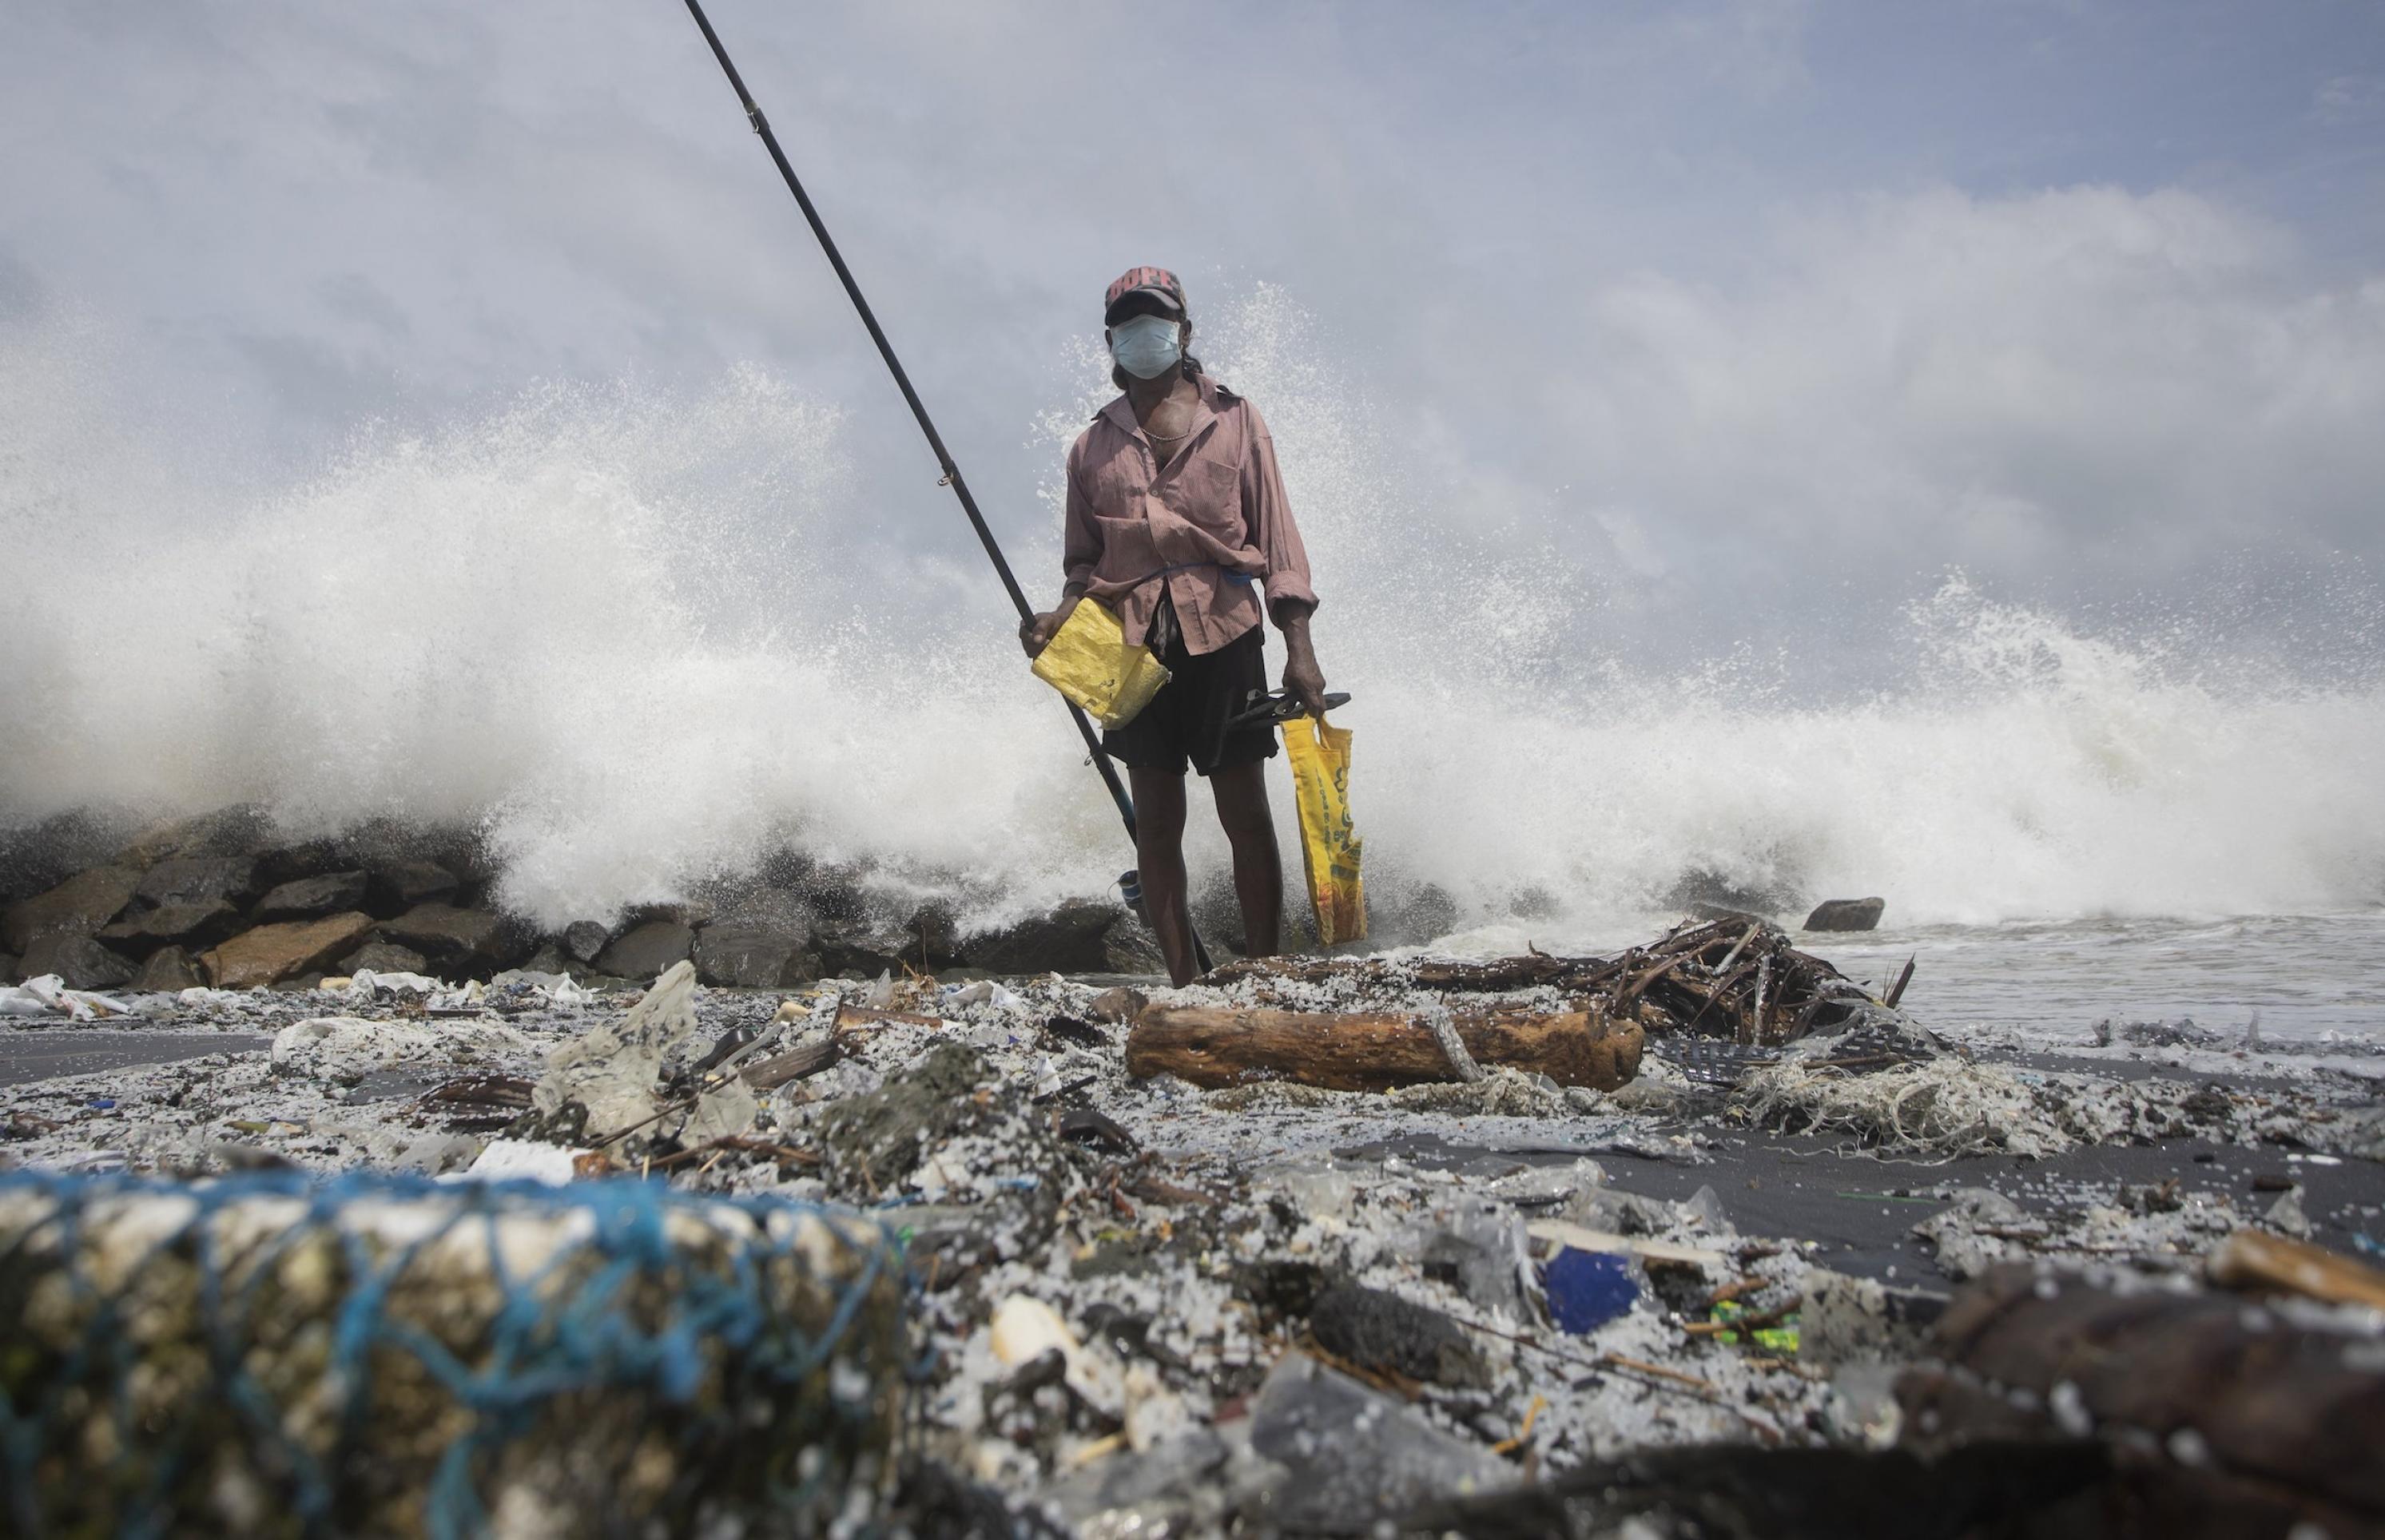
{"x": 952, "y": 477}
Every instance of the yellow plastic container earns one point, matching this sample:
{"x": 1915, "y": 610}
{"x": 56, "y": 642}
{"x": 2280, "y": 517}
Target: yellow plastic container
{"x": 1090, "y": 663}
{"x": 1328, "y": 842}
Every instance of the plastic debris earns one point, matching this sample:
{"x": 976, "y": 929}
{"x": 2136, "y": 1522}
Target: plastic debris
{"x": 613, "y": 1070}
{"x": 367, "y": 984}
{"x": 1737, "y": 1320}
{"x": 516, "y": 1160}
{"x": 1354, "y": 1455}
{"x": 1089, "y": 661}
{"x": 1587, "y": 1289}
{"x": 48, "y": 995}
{"x": 1330, "y": 849}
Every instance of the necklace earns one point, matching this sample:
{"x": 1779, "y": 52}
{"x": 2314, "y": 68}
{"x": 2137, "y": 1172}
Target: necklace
{"x": 1171, "y": 438}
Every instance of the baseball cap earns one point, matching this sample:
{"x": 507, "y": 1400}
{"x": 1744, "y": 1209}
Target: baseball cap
{"x": 1143, "y": 281}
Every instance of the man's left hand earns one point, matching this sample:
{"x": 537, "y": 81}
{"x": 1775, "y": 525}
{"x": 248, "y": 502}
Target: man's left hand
{"x": 1304, "y": 682}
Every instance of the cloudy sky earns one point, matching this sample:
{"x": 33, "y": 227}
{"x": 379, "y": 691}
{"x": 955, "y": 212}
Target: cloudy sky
{"x": 1744, "y": 307}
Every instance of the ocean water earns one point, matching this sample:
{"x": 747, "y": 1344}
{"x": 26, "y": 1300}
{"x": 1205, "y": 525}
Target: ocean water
{"x": 2298, "y": 983}
{"x": 2302, "y": 980}
{"x": 637, "y": 635}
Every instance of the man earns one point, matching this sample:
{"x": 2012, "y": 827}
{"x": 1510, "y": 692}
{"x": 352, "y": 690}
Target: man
{"x": 1177, "y": 520}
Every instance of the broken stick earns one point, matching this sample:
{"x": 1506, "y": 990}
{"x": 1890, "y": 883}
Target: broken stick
{"x": 1374, "y": 1052}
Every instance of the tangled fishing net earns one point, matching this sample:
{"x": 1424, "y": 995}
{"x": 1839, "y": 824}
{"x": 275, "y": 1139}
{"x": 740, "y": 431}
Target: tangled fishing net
{"x": 377, "y": 1355}
{"x": 1946, "y": 1107}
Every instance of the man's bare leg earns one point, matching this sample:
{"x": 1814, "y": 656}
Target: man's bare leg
{"x": 1159, "y": 857}
{"x": 1241, "y": 791}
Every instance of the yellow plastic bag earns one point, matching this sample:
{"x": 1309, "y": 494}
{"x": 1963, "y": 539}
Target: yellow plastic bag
{"x": 1090, "y": 663}
{"x": 1329, "y": 844}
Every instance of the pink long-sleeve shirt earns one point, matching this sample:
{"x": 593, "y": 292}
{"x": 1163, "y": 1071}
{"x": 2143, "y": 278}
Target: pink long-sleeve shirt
{"x": 1213, "y": 525}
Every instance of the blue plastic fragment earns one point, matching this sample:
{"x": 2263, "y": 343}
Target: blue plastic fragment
{"x": 104, "y": 1103}
{"x": 1587, "y": 1289}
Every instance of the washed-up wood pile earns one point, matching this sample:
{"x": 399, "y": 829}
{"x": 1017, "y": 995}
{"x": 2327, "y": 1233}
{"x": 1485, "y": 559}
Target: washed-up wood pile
{"x": 1738, "y": 980}
{"x": 1734, "y": 978}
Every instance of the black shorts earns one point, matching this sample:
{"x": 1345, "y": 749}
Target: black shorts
{"x": 1187, "y": 719}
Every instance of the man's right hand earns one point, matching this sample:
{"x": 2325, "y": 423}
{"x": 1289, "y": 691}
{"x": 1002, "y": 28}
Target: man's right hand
{"x": 1035, "y": 633}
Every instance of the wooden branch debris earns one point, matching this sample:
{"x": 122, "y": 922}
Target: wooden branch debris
{"x": 1731, "y": 978}
{"x": 768, "y": 1074}
{"x": 851, "y": 1016}
{"x": 1561, "y": 1234}
{"x": 2255, "y": 1260}
{"x": 1375, "y": 1050}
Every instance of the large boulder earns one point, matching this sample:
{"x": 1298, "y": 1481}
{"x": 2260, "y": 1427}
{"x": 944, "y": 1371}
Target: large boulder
{"x": 271, "y": 954}
{"x": 240, "y": 830}
{"x": 690, "y": 913}
{"x": 383, "y": 957}
{"x": 194, "y": 922}
{"x": 309, "y": 858}
{"x": 748, "y": 954}
{"x": 78, "y": 906}
{"x": 1847, "y": 915}
{"x": 82, "y": 962}
{"x": 397, "y": 886}
{"x": 936, "y": 937}
{"x": 185, "y": 879}
{"x": 864, "y": 946}
{"x": 1083, "y": 936}
{"x": 36, "y": 857}
{"x": 644, "y": 951}
{"x": 168, "y": 971}
{"x": 582, "y": 940}
{"x": 308, "y": 897}
{"x": 459, "y": 942}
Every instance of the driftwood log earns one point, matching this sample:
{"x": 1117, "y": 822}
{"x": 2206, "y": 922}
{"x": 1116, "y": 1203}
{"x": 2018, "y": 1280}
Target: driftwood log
{"x": 2222, "y": 1419}
{"x": 1375, "y": 1050}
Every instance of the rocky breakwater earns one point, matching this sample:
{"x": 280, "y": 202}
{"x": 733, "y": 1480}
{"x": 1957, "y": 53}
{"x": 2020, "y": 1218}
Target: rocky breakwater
{"x": 226, "y": 900}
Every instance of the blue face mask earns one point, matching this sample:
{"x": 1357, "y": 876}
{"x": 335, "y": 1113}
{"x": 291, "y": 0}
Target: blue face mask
{"x": 1147, "y": 346}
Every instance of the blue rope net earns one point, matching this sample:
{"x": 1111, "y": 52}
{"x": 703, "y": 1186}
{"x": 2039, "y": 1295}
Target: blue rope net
{"x": 381, "y": 1355}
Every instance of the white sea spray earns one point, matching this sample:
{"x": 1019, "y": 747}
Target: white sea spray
{"x": 639, "y": 635}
